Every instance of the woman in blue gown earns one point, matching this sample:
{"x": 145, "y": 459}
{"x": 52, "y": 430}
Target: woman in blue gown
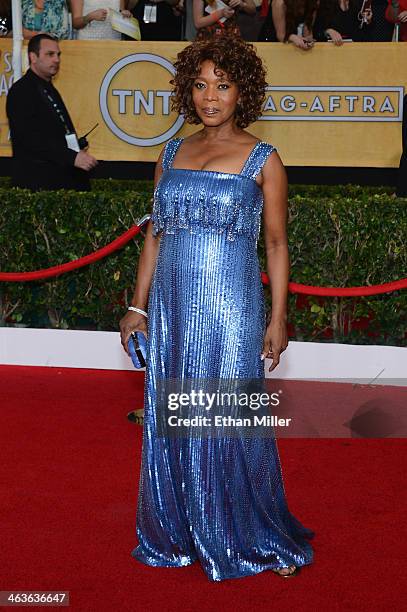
{"x": 219, "y": 499}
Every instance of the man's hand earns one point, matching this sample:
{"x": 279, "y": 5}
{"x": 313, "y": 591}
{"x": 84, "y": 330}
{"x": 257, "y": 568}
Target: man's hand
{"x": 402, "y": 16}
{"x": 84, "y": 161}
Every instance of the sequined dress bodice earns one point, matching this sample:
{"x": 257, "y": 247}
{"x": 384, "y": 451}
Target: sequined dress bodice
{"x": 206, "y": 200}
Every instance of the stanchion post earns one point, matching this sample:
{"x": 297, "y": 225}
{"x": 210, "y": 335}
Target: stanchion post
{"x": 17, "y": 39}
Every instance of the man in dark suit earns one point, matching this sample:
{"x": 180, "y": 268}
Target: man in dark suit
{"x": 46, "y": 153}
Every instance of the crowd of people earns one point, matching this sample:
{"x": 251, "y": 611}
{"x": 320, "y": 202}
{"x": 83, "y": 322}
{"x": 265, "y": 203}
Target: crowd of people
{"x": 300, "y": 22}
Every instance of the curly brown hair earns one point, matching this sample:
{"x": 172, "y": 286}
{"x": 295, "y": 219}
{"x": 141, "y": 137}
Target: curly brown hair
{"x": 233, "y": 56}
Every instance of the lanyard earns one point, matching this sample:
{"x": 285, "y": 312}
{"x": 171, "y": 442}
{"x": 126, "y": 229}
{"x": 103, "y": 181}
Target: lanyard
{"x": 58, "y": 111}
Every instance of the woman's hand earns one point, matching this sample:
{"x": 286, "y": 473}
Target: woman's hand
{"x": 226, "y": 12}
{"x": 275, "y": 342}
{"x": 132, "y": 321}
{"x": 334, "y": 36}
{"x": 368, "y": 15}
{"x": 126, "y": 13}
{"x": 402, "y": 16}
{"x": 178, "y": 8}
{"x": 98, "y": 15}
{"x": 301, "y": 42}
{"x": 234, "y": 4}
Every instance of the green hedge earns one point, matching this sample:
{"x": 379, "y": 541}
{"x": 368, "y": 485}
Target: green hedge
{"x": 338, "y": 236}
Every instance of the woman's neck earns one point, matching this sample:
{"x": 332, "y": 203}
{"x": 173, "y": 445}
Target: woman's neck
{"x": 227, "y": 131}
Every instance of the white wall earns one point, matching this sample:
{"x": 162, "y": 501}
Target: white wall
{"x": 102, "y": 350}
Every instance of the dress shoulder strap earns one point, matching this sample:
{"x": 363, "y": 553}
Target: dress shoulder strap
{"x": 257, "y": 159}
{"x": 170, "y": 150}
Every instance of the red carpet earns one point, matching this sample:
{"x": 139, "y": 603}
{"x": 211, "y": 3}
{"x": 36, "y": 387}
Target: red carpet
{"x": 69, "y": 477}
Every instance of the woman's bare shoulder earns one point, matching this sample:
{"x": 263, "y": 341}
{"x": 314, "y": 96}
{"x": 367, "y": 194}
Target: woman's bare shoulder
{"x": 249, "y": 138}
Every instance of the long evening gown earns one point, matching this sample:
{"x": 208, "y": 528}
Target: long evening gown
{"x": 220, "y": 500}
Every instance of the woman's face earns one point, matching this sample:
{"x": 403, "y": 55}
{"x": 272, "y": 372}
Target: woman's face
{"x": 215, "y": 97}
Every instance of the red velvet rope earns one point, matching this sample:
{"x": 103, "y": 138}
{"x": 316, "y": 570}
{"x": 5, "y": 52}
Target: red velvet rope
{"x": 72, "y": 265}
{"x": 342, "y": 291}
{"x": 133, "y": 231}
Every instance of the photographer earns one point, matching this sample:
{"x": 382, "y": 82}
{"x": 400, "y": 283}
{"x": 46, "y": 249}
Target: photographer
{"x": 158, "y": 19}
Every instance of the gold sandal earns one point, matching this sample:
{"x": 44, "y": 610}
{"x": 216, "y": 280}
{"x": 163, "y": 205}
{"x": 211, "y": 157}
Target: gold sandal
{"x": 294, "y": 572}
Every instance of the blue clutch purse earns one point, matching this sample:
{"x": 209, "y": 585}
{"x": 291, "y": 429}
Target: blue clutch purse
{"x": 137, "y": 346}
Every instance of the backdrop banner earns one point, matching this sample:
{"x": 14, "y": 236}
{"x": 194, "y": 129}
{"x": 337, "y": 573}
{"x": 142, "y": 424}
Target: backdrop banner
{"x": 330, "y": 106}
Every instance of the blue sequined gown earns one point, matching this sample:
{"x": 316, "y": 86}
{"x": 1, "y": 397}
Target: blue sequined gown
{"x": 221, "y": 501}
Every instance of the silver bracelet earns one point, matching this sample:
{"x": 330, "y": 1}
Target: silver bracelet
{"x": 139, "y": 310}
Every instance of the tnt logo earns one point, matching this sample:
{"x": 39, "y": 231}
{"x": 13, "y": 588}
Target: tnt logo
{"x": 134, "y": 94}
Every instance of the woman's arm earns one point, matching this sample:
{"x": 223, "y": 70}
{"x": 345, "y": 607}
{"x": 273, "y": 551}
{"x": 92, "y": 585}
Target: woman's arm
{"x": 79, "y": 20}
{"x": 27, "y": 34}
{"x": 133, "y": 321}
{"x": 335, "y": 36}
{"x": 278, "y": 264}
{"x": 124, "y": 10}
{"x": 247, "y": 6}
{"x": 278, "y": 11}
{"x": 201, "y": 20}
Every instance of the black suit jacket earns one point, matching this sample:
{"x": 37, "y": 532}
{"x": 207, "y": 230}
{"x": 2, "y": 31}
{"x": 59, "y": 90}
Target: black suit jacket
{"x": 41, "y": 158}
